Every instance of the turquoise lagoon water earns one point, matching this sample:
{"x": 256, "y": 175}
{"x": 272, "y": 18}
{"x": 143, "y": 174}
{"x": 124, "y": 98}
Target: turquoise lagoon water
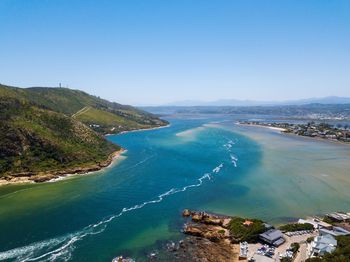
{"x": 133, "y": 207}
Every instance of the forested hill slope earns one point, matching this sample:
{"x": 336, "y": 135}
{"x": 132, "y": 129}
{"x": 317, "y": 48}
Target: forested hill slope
{"x": 40, "y": 133}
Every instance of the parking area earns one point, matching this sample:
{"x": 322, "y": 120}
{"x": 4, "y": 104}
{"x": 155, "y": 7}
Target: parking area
{"x": 262, "y": 252}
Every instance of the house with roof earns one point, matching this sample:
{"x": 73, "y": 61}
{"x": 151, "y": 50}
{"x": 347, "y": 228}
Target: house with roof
{"x": 336, "y": 231}
{"x": 322, "y": 245}
{"x": 317, "y": 223}
{"x": 338, "y": 216}
{"x": 273, "y": 237}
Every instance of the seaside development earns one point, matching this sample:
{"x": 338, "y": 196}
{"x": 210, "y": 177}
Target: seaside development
{"x": 325, "y": 131}
{"x": 214, "y": 237}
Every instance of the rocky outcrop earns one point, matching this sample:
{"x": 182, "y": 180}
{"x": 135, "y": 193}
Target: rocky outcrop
{"x": 205, "y": 225}
{"x": 199, "y": 249}
{"x": 186, "y": 213}
{"x": 207, "y": 218}
{"x": 208, "y": 240}
{"x": 212, "y": 233}
{"x": 122, "y": 259}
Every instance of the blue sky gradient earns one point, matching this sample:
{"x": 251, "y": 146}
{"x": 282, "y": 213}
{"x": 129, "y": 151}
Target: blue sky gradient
{"x": 155, "y": 52}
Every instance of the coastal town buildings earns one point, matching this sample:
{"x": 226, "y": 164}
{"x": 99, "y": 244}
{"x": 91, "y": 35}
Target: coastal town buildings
{"x": 339, "y": 216}
{"x": 316, "y": 222}
{"x": 322, "y": 244}
{"x": 312, "y": 129}
{"x": 273, "y": 237}
{"x": 335, "y": 231}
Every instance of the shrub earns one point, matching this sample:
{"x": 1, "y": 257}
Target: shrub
{"x": 296, "y": 227}
{"x": 295, "y": 247}
{"x": 309, "y": 239}
{"x": 249, "y": 233}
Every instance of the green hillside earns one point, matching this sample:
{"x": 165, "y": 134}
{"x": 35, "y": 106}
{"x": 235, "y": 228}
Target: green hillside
{"x": 71, "y": 102}
{"x": 45, "y": 130}
{"x": 39, "y": 140}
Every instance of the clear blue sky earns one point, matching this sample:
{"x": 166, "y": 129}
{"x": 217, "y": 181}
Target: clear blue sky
{"x": 154, "y": 52}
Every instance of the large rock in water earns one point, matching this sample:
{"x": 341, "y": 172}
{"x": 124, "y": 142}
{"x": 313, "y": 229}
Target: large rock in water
{"x": 186, "y": 213}
{"x": 122, "y": 259}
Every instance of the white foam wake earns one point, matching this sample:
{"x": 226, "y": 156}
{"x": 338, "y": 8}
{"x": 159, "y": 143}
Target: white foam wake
{"x": 234, "y": 160}
{"x": 218, "y": 168}
{"x": 63, "y": 246}
{"x": 229, "y": 144}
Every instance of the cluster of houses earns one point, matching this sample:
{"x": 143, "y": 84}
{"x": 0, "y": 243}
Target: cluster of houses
{"x": 319, "y": 130}
{"x": 326, "y": 241}
{"x": 273, "y": 237}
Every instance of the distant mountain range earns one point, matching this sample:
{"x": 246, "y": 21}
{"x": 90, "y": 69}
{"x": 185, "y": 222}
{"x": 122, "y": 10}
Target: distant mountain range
{"x": 236, "y": 102}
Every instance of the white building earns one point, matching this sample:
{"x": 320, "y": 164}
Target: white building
{"x": 322, "y": 245}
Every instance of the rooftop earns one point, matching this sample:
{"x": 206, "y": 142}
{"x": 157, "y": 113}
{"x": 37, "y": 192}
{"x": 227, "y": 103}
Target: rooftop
{"x": 272, "y": 235}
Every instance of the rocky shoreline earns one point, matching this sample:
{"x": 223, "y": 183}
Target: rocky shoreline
{"x": 39, "y": 177}
{"x": 208, "y": 239}
{"x": 218, "y": 238}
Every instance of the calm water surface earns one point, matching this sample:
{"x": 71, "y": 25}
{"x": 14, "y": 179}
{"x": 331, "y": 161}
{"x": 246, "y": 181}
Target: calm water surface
{"x": 134, "y": 206}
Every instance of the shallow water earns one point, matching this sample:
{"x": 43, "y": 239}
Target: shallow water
{"x": 198, "y": 163}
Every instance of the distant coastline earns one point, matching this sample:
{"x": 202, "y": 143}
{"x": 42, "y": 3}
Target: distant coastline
{"x": 269, "y": 127}
{"x": 285, "y": 131}
{"x": 142, "y": 129}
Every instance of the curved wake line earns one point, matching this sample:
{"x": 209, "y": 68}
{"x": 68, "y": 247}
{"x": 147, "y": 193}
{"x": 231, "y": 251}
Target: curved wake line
{"x": 64, "y": 245}
{"x": 228, "y": 147}
{"x": 234, "y": 160}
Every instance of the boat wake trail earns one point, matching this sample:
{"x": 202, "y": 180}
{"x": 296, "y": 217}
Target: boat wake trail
{"x": 228, "y": 147}
{"x": 234, "y": 160}
{"x": 61, "y": 248}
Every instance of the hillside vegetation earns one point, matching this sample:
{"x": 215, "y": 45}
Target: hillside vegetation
{"x": 74, "y": 102}
{"x": 46, "y": 130}
{"x": 240, "y": 232}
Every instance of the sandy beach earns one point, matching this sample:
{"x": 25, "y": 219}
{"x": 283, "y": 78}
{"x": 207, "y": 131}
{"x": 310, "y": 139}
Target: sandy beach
{"x": 269, "y": 127}
{"x": 53, "y": 176}
{"x": 141, "y": 129}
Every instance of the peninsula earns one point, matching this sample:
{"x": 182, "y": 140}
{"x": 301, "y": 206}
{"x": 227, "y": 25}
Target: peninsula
{"x": 46, "y": 133}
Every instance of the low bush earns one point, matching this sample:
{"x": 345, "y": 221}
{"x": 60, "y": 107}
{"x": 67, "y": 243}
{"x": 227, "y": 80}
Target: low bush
{"x": 296, "y": 227}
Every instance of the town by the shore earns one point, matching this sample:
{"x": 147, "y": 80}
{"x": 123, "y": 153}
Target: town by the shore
{"x": 320, "y": 131}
